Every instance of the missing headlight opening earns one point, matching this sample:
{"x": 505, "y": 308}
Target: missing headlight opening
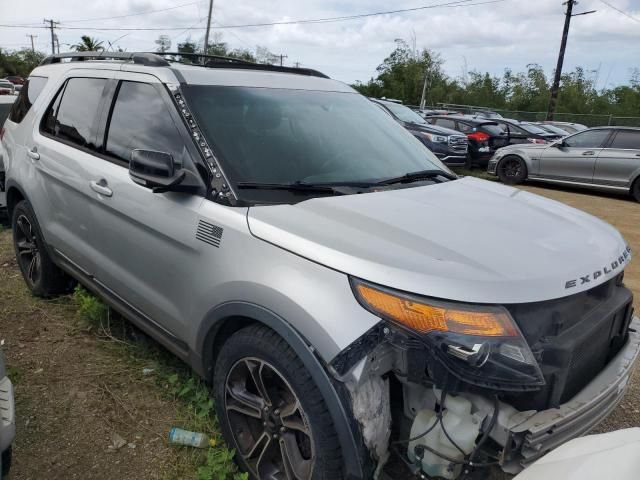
{"x": 468, "y": 387}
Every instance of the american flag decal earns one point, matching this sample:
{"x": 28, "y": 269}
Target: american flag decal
{"x": 209, "y": 233}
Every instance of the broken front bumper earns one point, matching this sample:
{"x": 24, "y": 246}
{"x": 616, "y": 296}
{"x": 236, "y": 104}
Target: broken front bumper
{"x": 533, "y": 434}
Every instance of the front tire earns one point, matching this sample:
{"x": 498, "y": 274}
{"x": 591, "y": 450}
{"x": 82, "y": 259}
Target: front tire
{"x": 512, "y": 170}
{"x": 272, "y": 412}
{"x": 635, "y": 190}
{"x": 42, "y": 276}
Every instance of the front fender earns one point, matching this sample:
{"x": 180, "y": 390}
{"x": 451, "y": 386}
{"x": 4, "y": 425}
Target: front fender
{"x": 333, "y": 393}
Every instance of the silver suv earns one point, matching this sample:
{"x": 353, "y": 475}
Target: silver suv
{"x": 350, "y": 299}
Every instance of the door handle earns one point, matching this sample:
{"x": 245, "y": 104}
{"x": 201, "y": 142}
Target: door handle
{"x": 33, "y": 153}
{"x": 101, "y": 188}
{"x": 590, "y": 152}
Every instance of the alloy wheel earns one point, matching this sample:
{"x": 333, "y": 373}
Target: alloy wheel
{"x": 270, "y": 428}
{"x": 29, "y": 255}
{"x": 511, "y": 167}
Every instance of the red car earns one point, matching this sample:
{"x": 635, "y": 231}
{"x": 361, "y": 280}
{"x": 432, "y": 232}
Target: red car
{"x": 16, "y": 80}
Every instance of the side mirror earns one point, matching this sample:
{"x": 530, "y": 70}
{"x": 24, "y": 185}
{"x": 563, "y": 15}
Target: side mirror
{"x": 559, "y": 143}
{"x": 155, "y": 170}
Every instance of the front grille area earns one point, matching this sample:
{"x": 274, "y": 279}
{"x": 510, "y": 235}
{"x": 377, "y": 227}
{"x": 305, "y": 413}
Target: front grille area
{"x": 459, "y": 143}
{"x": 573, "y": 339}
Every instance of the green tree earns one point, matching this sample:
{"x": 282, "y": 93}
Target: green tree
{"x": 164, "y": 43}
{"x": 19, "y": 62}
{"x": 88, "y": 44}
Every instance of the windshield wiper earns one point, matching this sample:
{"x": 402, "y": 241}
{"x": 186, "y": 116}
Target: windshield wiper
{"x": 417, "y": 176}
{"x": 292, "y": 187}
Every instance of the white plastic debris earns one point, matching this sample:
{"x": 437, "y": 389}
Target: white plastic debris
{"x": 614, "y": 455}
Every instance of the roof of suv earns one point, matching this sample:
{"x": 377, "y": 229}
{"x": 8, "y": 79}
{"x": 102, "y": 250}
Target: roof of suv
{"x": 219, "y": 71}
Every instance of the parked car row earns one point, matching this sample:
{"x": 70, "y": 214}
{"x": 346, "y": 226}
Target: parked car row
{"x": 472, "y": 140}
{"x": 11, "y": 85}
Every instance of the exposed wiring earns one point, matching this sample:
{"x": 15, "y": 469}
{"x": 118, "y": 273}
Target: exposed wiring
{"x": 487, "y": 432}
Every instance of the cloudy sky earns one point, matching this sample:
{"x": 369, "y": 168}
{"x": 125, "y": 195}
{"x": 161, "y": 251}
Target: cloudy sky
{"x": 485, "y": 37}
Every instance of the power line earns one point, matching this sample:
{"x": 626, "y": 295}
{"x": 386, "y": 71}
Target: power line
{"x": 451, "y": 4}
{"x": 132, "y": 14}
{"x": 628, "y": 15}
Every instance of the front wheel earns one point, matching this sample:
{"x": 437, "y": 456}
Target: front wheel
{"x": 512, "y": 170}
{"x": 272, "y": 412}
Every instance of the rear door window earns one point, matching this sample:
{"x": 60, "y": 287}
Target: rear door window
{"x": 73, "y": 115}
{"x": 140, "y": 119}
{"x": 30, "y": 91}
{"x": 445, "y": 122}
{"x": 627, "y": 140}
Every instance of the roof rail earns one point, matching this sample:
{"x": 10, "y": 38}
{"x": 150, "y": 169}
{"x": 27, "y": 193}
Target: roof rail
{"x": 158, "y": 59}
{"x": 219, "y": 61}
{"x": 148, "y": 59}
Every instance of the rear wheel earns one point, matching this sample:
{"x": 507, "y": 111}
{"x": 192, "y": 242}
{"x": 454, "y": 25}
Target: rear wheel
{"x": 635, "y": 190}
{"x": 512, "y": 170}
{"x": 271, "y": 411}
{"x": 42, "y": 276}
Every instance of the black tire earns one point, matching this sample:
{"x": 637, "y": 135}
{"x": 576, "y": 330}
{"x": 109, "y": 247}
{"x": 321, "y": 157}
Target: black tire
{"x": 635, "y": 190}
{"x": 6, "y": 463}
{"x": 306, "y": 431}
{"x": 512, "y": 170}
{"x": 42, "y": 276}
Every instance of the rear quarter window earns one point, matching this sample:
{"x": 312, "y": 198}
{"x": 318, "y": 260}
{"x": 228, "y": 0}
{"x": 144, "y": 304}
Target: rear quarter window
{"x": 30, "y": 92}
{"x": 627, "y": 139}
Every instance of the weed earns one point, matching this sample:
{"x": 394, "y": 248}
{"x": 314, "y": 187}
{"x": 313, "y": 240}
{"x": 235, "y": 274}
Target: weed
{"x": 174, "y": 378}
{"x": 15, "y": 374}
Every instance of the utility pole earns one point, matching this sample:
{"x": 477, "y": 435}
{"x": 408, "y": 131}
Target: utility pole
{"x": 555, "y": 88}
{"x": 297, "y": 64}
{"x": 206, "y": 35}
{"x": 282, "y": 57}
{"x": 52, "y": 25}
{"x": 33, "y": 48}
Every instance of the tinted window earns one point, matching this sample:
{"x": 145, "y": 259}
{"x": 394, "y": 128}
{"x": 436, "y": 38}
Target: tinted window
{"x": 492, "y": 129}
{"x": 74, "y": 113}
{"x": 30, "y": 91}
{"x": 628, "y": 139}
{"x": 588, "y": 139}
{"x": 442, "y": 122}
{"x": 141, "y": 120}
{"x": 465, "y": 127}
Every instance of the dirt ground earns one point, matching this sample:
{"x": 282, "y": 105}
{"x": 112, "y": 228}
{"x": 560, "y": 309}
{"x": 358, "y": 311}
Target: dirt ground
{"x": 75, "y": 389}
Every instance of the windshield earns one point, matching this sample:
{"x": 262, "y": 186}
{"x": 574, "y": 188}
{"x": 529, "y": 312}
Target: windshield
{"x": 267, "y": 135}
{"x": 405, "y": 113}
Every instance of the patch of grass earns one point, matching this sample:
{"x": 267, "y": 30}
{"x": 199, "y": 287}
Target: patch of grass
{"x": 475, "y": 172}
{"x": 175, "y": 379}
{"x": 15, "y": 374}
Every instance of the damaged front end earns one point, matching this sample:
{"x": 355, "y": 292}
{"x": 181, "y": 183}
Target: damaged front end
{"x": 449, "y": 387}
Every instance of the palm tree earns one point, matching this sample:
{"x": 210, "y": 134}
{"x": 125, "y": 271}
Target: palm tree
{"x": 88, "y": 44}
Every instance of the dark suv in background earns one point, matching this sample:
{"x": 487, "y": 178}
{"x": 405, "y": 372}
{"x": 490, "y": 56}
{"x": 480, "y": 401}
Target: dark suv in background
{"x": 448, "y": 145}
{"x": 484, "y": 136}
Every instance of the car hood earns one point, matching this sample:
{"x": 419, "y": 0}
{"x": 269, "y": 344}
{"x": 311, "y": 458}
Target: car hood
{"x": 467, "y": 240}
{"x": 525, "y": 146}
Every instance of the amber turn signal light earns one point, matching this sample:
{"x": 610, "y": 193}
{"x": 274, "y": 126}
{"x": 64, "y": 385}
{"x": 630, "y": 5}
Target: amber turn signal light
{"x": 425, "y": 318}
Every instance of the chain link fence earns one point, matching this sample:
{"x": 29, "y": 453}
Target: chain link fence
{"x": 588, "y": 119}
